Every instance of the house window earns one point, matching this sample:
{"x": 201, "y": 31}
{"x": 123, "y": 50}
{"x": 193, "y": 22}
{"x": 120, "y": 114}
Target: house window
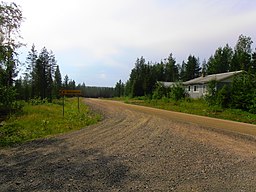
{"x": 189, "y": 88}
{"x": 195, "y": 88}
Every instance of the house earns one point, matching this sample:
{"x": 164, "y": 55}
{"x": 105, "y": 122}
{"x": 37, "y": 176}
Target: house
{"x": 197, "y": 87}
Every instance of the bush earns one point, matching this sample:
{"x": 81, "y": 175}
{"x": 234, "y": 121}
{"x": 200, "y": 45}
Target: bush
{"x": 7, "y": 96}
{"x": 252, "y": 107}
{"x": 223, "y": 97}
{"x": 159, "y": 92}
{"x": 211, "y": 96}
{"x": 38, "y": 101}
{"x": 165, "y": 99}
{"x": 10, "y": 134}
{"x": 243, "y": 92}
{"x": 240, "y": 95}
{"x": 8, "y": 104}
{"x": 178, "y": 92}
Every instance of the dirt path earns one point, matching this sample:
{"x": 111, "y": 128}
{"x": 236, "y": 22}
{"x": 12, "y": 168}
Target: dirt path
{"x": 136, "y": 149}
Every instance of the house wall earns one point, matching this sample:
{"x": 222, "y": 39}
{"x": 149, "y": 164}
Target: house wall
{"x": 201, "y": 89}
{"x": 196, "y": 91}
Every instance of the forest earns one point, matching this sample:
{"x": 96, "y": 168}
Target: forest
{"x": 42, "y": 78}
{"x": 241, "y": 94}
{"x": 144, "y": 75}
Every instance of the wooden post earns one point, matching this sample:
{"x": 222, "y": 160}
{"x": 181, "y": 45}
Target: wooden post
{"x": 71, "y": 93}
{"x": 63, "y": 105}
{"x": 78, "y": 104}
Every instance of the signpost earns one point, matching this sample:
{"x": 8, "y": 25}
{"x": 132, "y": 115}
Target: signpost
{"x": 70, "y": 92}
{"x": 65, "y": 92}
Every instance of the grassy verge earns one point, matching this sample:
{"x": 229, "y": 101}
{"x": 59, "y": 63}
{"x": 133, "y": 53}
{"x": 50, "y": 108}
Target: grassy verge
{"x": 42, "y": 120}
{"x": 197, "y": 107}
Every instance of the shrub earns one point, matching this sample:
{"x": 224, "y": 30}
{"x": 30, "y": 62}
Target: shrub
{"x": 211, "y": 96}
{"x": 223, "y": 97}
{"x": 178, "y": 92}
{"x": 243, "y": 92}
{"x": 38, "y": 101}
{"x": 7, "y": 96}
{"x": 159, "y": 92}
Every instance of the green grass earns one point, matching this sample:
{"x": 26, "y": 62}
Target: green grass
{"x": 43, "y": 120}
{"x": 197, "y": 107}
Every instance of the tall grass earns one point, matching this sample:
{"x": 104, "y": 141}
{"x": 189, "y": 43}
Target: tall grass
{"x": 45, "y": 119}
{"x": 197, "y": 107}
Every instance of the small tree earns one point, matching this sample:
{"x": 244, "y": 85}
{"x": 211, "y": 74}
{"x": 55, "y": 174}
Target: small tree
{"x": 223, "y": 97}
{"x": 159, "y": 92}
{"x": 57, "y": 82}
{"x": 243, "y": 91}
{"x": 119, "y": 89}
{"x": 211, "y": 96}
{"x": 178, "y": 92}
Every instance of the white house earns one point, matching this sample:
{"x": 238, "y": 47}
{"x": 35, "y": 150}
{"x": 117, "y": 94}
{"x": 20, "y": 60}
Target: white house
{"x": 197, "y": 87}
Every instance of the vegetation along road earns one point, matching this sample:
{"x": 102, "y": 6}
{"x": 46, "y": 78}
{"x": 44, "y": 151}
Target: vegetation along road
{"x": 136, "y": 148}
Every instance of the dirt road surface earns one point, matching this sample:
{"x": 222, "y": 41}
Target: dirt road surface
{"x": 136, "y": 149}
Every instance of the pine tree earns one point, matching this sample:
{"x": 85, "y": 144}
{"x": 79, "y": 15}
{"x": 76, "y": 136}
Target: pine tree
{"x": 159, "y": 71}
{"x": 183, "y": 71}
{"x": 119, "y": 89}
{"x": 71, "y": 84}
{"x": 57, "y": 82}
{"x": 30, "y": 71}
{"x": 243, "y": 54}
{"x": 254, "y": 62}
{"x": 221, "y": 61}
{"x": 192, "y": 68}
{"x": 171, "y": 69}
{"x": 65, "y": 82}
{"x": 39, "y": 79}
{"x": 137, "y": 77}
{"x": 43, "y": 73}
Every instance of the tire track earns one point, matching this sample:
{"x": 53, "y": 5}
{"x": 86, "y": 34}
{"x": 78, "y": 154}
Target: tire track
{"x": 133, "y": 149}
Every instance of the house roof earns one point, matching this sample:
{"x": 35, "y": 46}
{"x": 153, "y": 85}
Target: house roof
{"x": 167, "y": 84}
{"x": 208, "y": 78}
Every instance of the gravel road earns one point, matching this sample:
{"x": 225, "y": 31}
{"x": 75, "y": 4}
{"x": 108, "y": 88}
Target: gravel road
{"x": 135, "y": 149}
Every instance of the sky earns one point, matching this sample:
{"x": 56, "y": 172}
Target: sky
{"x": 98, "y": 41}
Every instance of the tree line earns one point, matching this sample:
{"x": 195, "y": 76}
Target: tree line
{"x": 42, "y": 78}
{"x": 143, "y": 77}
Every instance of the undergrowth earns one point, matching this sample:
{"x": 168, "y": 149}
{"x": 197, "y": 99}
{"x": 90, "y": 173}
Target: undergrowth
{"x": 197, "y": 107}
{"x": 42, "y": 119}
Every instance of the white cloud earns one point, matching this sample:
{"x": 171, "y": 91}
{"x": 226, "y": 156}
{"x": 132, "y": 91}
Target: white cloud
{"x": 101, "y": 27}
{"x": 99, "y": 33}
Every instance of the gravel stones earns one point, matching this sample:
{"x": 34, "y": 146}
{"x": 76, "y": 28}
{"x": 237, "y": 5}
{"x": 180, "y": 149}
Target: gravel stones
{"x": 132, "y": 151}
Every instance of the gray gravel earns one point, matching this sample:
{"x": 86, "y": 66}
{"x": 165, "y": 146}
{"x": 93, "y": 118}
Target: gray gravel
{"x": 132, "y": 151}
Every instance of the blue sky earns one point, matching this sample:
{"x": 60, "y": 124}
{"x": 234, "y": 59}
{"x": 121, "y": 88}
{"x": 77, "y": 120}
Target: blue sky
{"x": 98, "y": 41}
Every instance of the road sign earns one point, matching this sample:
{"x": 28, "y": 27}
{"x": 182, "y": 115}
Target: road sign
{"x": 70, "y": 92}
